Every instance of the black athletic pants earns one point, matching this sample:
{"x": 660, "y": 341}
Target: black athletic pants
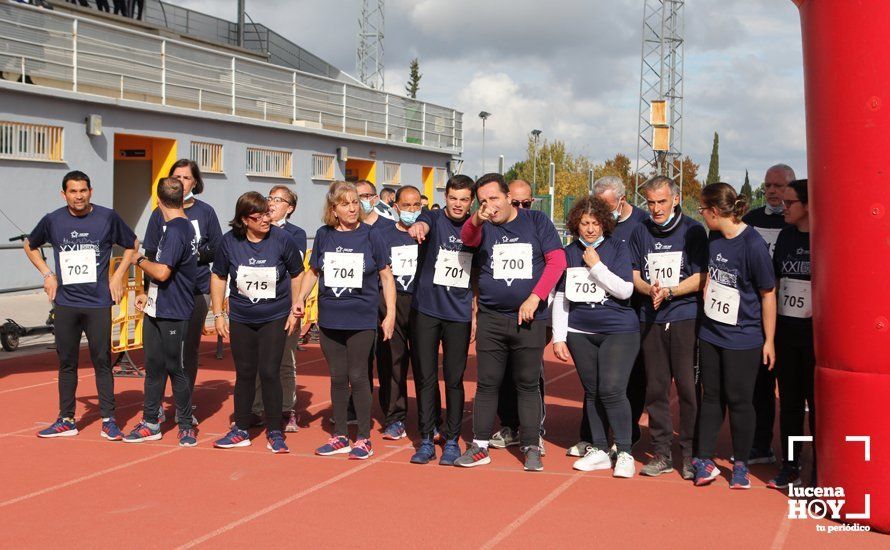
{"x": 164, "y": 342}
{"x": 764, "y": 408}
{"x": 636, "y": 395}
{"x": 499, "y": 342}
{"x": 257, "y": 349}
{"x": 347, "y": 353}
{"x": 604, "y": 363}
{"x": 393, "y": 361}
{"x": 795, "y": 370}
{"x": 668, "y": 350}
{"x": 508, "y": 399}
{"x": 69, "y": 324}
{"x": 193, "y": 337}
{"x": 728, "y": 377}
{"x": 428, "y": 333}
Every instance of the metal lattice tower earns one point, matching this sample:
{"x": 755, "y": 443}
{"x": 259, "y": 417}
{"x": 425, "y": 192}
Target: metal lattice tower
{"x": 369, "y": 56}
{"x": 661, "y": 78}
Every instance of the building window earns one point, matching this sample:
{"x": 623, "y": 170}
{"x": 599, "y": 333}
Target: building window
{"x": 322, "y": 167}
{"x": 269, "y": 163}
{"x": 208, "y": 156}
{"x": 441, "y": 178}
{"x": 30, "y": 142}
{"x": 392, "y": 173}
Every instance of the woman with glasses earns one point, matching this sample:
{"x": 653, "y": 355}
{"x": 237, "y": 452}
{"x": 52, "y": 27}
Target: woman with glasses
{"x": 207, "y": 236}
{"x": 262, "y": 264}
{"x": 737, "y": 331}
{"x": 595, "y": 323}
{"x": 795, "y": 357}
{"x": 350, "y": 262}
{"x": 282, "y": 203}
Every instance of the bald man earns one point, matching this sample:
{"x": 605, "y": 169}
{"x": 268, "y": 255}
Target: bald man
{"x": 768, "y": 220}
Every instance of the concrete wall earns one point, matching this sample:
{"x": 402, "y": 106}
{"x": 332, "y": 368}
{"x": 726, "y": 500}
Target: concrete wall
{"x": 30, "y": 189}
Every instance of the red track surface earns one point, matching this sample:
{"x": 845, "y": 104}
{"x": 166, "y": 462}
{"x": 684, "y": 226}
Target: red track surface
{"x": 86, "y": 492}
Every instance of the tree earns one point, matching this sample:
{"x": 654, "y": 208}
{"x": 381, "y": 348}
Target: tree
{"x": 746, "y": 191}
{"x": 714, "y": 165}
{"x": 571, "y": 173}
{"x": 413, "y": 79}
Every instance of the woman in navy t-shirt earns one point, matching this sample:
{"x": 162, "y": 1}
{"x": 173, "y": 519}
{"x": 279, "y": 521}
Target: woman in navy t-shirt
{"x": 207, "y": 236}
{"x": 737, "y": 331}
{"x": 350, "y": 262}
{"x": 594, "y": 322}
{"x": 262, "y": 264}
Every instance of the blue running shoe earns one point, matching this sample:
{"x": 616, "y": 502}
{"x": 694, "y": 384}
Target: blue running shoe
{"x": 705, "y": 471}
{"x": 62, "y": 427}
{"x": 235, "y": 438}
{"x": 361, "y": 450}
{"x": 143, "y": 432}
{"x": 275, "y": 442}
{"x": 740, "y": 476}
{"x": 110, "y": 431}
{"x": 187, "y": 438}
{"x": 395, "y": 431}
{"x": 336, "y": 445}
{"x": 425, "y": 453}
{"x": 450, "y": 453}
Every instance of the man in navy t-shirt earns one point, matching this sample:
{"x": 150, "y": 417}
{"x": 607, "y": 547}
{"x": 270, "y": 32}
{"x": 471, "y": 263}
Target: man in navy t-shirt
{"x": 520, "y": 260}
{"x": 442, "y": 312}
{"x": 769, "y": 221}
{"x": 82, "y": 235}
{"x": 668, "y": 253}
{"x": 168, "y": 307}
{"x": 394, "y": 355}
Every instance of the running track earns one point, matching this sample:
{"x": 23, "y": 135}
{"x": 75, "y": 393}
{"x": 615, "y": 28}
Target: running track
{"x": 86, "y": 492}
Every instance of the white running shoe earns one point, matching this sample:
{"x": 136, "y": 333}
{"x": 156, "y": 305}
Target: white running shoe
{"x": 595, "y": 459}
{"x": 624, "y": 466}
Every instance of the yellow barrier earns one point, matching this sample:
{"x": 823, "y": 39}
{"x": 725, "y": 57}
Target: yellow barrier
{"x": 311, "y": 305}
{"x": 127, "y": 322}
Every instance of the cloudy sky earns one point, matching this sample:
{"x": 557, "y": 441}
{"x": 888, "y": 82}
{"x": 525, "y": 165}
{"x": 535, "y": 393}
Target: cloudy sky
{"x": 572, "y": 69}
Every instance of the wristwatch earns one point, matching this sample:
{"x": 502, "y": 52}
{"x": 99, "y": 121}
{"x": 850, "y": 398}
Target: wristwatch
{"x": 670, "y": 295}
{"x": 139, "y": 260}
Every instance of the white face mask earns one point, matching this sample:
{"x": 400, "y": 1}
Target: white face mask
{"x": 281, "y": 222}
{"x": 770, "y": 209}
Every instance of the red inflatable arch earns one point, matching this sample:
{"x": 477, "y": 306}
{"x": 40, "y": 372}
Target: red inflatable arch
{"x": 847, "y": 87}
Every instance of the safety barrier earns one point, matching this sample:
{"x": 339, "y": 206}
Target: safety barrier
{"x": 126, "y": 323}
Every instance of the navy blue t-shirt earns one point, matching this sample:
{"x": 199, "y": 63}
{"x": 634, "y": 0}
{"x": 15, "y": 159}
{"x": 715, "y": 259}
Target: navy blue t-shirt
{"x": 262, "y": 291}
{"x": 394, "y": 238}
{"x": 690, "y": 241}
{"x": 97, "y": 231}
{"x": 352, "y": 307}
{"x": 175, "y": 297}
{"x": 791, "y": 260}
{"x": 514, "y": 248}
{"x": 450, "y": 302}
{"x": 207, "y": 237}
{"x": 623, "y": 230}
{"x": 299, "y": 236}
{"x": 768, "y": 225}
{"x": 608, "y": 315}
{"x": 743, "y": 264}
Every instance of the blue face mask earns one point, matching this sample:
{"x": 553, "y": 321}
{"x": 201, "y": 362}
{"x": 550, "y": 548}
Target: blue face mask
{"x": 616, "y": 213}
{"x": 188, "y": 197}
{"x": 770, "y": 209}
{"x": 408, "y": 218}
{"x": 594, "y": 244}
{"x": 671, "y": 217}
{"x": 366, "y": 206}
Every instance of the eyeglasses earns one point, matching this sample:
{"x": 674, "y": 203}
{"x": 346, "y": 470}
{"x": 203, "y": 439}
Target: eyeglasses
{"x": 257, "y": 218}
{"x": 789, "y": 203}
{"x": 523, "y": 204}
{"x": 277, "y": 200}
{"x": 701, "y": 209}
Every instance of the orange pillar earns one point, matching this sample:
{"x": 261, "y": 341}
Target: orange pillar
{"x": 847, "y": 87}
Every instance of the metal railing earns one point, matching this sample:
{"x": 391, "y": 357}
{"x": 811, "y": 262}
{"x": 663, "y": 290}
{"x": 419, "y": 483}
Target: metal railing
{"x": 67, "y": 52}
